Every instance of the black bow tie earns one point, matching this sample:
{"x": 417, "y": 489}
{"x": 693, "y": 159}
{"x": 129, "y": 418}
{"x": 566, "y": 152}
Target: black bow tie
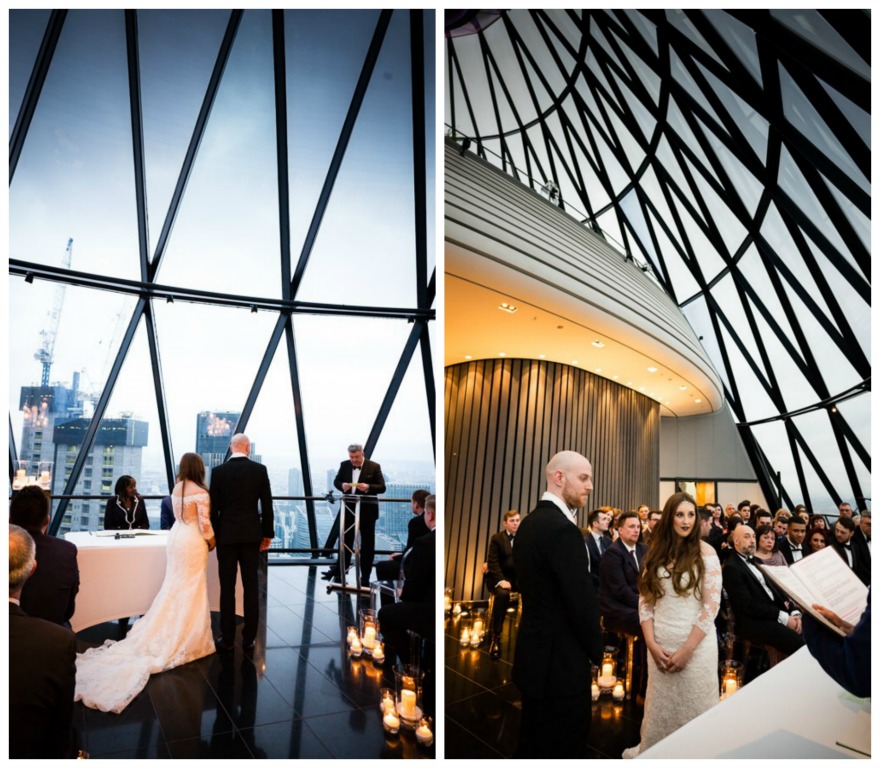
{"x": 754, "y": 561}
{"x": 795, "y": 549}
{"x": 846, "y": 546}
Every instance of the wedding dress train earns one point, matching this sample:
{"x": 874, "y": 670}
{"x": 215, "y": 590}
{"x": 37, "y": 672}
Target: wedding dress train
{"x": 174, "y": 631}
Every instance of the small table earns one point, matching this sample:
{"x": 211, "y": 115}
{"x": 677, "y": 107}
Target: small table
{"x": 121, "y": 577}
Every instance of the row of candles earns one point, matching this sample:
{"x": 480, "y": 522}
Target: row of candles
{"x": 42, "y": 478}
{"x": 401, "y": 706}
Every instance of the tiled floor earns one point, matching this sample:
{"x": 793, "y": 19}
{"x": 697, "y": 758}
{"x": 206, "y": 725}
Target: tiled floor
{"x": 483, "y": 705}
{"x": 299, "y": 696}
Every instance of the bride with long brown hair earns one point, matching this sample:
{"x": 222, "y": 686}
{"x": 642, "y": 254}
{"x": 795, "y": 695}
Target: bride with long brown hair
{"x": 177, "y": 628}
{"x": 679, "y": 595}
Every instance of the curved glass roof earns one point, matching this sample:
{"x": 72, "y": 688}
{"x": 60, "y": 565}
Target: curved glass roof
{"x": 730, "y": 152}
{"x": 249, "y": 202}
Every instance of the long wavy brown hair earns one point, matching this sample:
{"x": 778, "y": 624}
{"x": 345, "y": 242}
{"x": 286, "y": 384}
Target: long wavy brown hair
{"x": 669, "y": 551}
{"x": 192, "y": 468}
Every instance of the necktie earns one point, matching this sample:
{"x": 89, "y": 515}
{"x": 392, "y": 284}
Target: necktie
{"x": 636, "y": 558}
{"x": 511, "y": 541}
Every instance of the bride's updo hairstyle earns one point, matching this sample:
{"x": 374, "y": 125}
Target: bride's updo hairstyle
{"x": 680, "y": 556}
{"x": 192, "y": 468}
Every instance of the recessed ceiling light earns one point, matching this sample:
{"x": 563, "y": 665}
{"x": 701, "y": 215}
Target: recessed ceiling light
{"x": 652, "y": 369}
{"x": 502, "y": 354}
{"x": 598, "y": 344}
{"x": 641, "y": 389}
{"x": 615, "y": 377}
{"x": 574, "y": 362}
{"x": 468, "y": 357}
{"x": 683, "y": 387}
{"x": 629, "y": 383}
{"x": 540, "y": 357}
{"x": 667, "y": 402}
{"x": 698, "y": 400}
{"x": 505, "y": 307}
{"x": 598, "y": 370}
{"x": 652, "y": 394}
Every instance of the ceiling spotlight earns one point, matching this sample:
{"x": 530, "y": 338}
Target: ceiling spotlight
{"x": 29, "y": 277}
{"x": 683, "y": 387}
{"x": 652, "y": 369}
{"x": 169, "y": 300}
{"x": 598, "y": 344}
{"x": 505, "y": 307}
{"x": 540, "y": 357}
{"x": 698, "y": 400}
{"x": 598, "y": 370}
{"x": 833, "y": 409}
{"x": 253, "y": 309}
{"x": 667, "y": 402}
{"x": 641, "y": 389}
{"x": 574, "y": 362}
{"x": 615, "y": 377}
{"x": 502, "y": 354}
{"x": 468, "y": 357}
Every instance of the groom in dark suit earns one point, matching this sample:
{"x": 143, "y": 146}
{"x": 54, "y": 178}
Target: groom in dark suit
{"x": 559, "y": 635}
{"x": 241, "y": 513}
{"x": 360, "y": 477}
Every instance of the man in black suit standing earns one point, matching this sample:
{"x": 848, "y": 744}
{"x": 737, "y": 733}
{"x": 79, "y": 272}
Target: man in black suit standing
{"x": 358, "y": 476}
{"x": 559, "y": 635}
{"x": 42, "y": 668}
{"x": 760, "y": 611}
{"x": 500, "y": 577}
{"x": 50, "y": 593}
{"x": 244, "y": 524}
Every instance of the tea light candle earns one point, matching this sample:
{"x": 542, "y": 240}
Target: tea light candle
{"x": 379, "y": 653}
{"x": 356, "y": 648}
{"x": 408, "y": 704}
{"x": 352, "y": 635}
{"x": 447, "y": 603}
{"x": 391, "y": 722}
{"x": 595, "y": 692}
{"x": 457, "y": 609}
{"x": 424, "y": 735}
{"x": 617, "y": 694}
{"x": 477, "y": 630}
{"x": 729, "y": 687}
{"x": 607, "y": 679}
{"x": 44, "y": 476}
{"x": 369, "y": 640}
{"x": 465, "y": 638}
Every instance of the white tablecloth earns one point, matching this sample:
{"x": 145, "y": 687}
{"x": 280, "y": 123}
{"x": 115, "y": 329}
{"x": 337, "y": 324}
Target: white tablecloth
{"x": 120, "y": 577}
{"x": 792, "y": 710}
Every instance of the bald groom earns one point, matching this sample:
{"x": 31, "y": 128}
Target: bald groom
{"x": 559, "y": 636}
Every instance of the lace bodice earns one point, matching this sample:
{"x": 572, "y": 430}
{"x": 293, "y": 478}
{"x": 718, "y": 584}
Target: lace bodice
{"x": 195, "y": 507}
{"x": 710, "y": 593}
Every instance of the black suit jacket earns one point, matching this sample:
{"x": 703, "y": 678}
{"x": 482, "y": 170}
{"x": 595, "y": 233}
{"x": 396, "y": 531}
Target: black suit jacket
{"x": 42, "y": 679}
{"x": 860, "y": 545}
{"x": 241, "y": 502}
{"x": 114, "y": 516}
{"x": 559, "y": 635}
{"x": 860, "y": 567}
{"x": 595, "y": 554}
{"x": 50, "y": 593}
{"x": 619, "y": 584}
{"x": 784, "y": 546}
{"x": 416, "y": 528}
{"x": 756, "y": 614}
{"x": 500, "y": 561}
{"x": 418, "y": 571}
{"x": 371, "y": 474}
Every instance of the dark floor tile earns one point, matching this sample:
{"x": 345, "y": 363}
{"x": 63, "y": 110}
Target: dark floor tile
{"x": 459, "y": 687}
{"x": 461, "y": 743}
{"x": 136, "y": 727}
{"x": 477, "y": 666}
{"x": 157, "y": 751}
{"x": 185, "y": 704}
{"x": 292, "y": 740}
{"x": 227, "y": 745}
{"x": 489, "y": 718}
{"x": 359, "y": 734}
{"x": 359, "y": 679}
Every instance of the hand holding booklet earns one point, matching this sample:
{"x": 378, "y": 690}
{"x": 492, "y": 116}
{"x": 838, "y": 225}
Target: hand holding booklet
{"x": 824, "y": 579}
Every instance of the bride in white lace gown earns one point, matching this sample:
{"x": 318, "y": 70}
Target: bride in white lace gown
{"x": 680, "y": 591}
{"x": 177, "y": 627}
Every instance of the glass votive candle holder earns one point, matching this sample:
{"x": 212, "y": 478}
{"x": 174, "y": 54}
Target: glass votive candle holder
{"x": 607, "y": 675}
{"x": 424, "y": 732}
{"x": 391, "y": 722}
{"x": 379, "y": 652}
{"x": 355, "y": 649}
{"x": 386, "y": 701}
{"x": 447, "y": 600}
{"x": 352, "y": 635}
{"x": 618, "y": 693}
{"x": 731, "y": 677}
{"x": 478, "y": 627}
{"x": 408, "y": 693}
{"x": 368, "y": 628}
{"x": 594, "y": 691}
{"x": 456, "y": 609}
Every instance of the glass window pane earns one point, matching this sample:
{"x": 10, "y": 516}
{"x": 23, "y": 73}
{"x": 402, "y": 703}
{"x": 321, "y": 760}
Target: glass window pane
{"x": 26, "y": 28}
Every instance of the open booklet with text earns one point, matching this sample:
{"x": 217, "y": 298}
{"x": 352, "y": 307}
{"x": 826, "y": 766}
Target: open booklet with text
{"x": 823, "y": 579}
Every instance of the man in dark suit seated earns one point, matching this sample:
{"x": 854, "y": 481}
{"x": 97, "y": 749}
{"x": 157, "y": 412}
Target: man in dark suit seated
{"x": 761, "y": 613}
{"x": 711, "y": 534}
{"x": 389, "y": 570}
{"x": 791, "y": 545}
{"x": 861, "y": 542}
{"x": 51, "y": 592}
{"x": 598, "y": 540}
{"x": 42, "y": 668}
{"x": 844, "y": 532}
{"x": 559, "y": 636}
{"x": 500, "y": 578}
{"x": 415, "y": 611}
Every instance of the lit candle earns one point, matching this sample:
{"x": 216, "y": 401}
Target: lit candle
{"x": 408, "y": 704}
{"x": 447, "y": 602}
{"x": 352, "y": 635}
{"x": 617, "y": 694}
{"x": 465, "y": 638}
{"x": 595, "y": 692}
{"x": 44, "y": 476}
{"x": 369, "y": 640}
{"x": 379, "y": 653}
{"x": 729, "y": 687}
{"x": 424, "y": 735}
{"x": 607, "y": 679}
{"x": 477, "y": 630}
{"x": 356, "y": 648}
{"x": 457, "y": 609}
{"x": 391, "y": 722}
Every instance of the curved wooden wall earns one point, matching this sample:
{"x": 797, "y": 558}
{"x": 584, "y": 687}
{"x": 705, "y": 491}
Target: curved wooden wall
{"x": 504, "y": 420}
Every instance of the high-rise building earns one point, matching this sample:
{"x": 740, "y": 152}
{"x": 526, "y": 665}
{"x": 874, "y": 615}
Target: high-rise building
{"x": 213, "y": 432}
{"x": 394, "y": 516}
{"x": 116, "y": 451}
{"x": 295, "y": 485}
{"x": 42, "y": 408}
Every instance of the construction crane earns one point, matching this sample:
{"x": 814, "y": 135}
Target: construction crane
{"x": 45, "y": 354}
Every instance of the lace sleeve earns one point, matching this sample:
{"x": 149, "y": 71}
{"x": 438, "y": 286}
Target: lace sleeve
{"x": 203, "y": 508}
{"x": 711, "y": 591}
{"x": 646, "y": 609}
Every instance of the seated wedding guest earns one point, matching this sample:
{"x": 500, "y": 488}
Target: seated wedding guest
{"x": 744, "y": 511}
{"x": 761, "y": 612}
{"x": 861, "y": 542}
{"x": 126, "y": 510}
{"x": 727, "y": 545}
{"x": 653, "y": 518}
{"x": 780, "y": 525}
{"x": 730, "y": 511}
{"x": 718, "y": 519}
{"x": 801, "y": 511}
{"x": 844, "y": 509}
{"x": 389, "y": 570}
{"x": 415, "y": 611}
{"x": 818, "y": 521}
{"x": 765, "y": 546}
{"x": 598, "y": 539}
{"x": 817, "y": 539}
{"x": 619, "y": 571}
{"x": 166, "y": 514}
{"x": 42, "y": 668}
{"x": 846, "y": 660}
{"x": 710, "y": 533}
{"x": 763, "y": 517}
{"x": 643, "y": 510}
{"x": 844, "y": 530}
{"x": 500, "y": 577}
{"x": 50, "y": 593}
{"x": 791, "y": 546}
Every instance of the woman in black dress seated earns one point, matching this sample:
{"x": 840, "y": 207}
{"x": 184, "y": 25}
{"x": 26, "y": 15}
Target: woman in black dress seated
{"x": 126, "y": 510}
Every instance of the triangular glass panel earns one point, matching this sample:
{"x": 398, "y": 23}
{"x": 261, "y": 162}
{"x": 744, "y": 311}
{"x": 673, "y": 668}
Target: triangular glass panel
{"x": 810, "y": 25}
{"x": 646, "y": 28}
{"x": 858, "y": 118}
{"x": 26, "y": 29}
{"x": 698, "y": 317}
{"x": 740, "y": 39}
{"x": 679, "y": 19}
{"x": 687, "y": 140}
